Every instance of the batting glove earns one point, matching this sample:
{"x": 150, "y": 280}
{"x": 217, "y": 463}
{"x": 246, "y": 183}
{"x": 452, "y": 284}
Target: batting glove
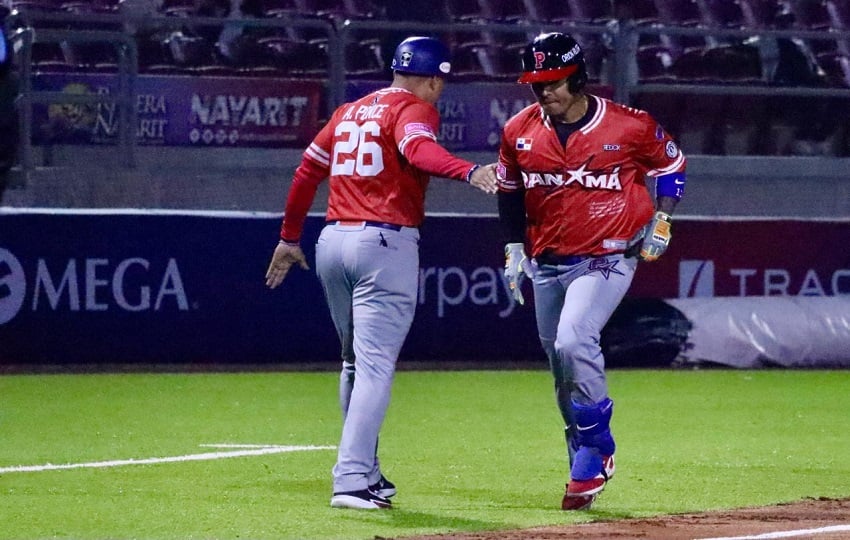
{"x": 517, "y": 266}
{"x": 657, "y": 237}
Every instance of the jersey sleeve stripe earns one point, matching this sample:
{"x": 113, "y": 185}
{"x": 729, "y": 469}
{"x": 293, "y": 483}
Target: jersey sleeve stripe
{"x": 318, "y": 155}
{"x": 413, "y": 135}
{"x": 673, "y": 167}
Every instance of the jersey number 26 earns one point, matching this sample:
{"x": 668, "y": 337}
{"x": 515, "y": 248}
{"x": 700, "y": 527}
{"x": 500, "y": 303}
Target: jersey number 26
{"x": 352, "y": 139}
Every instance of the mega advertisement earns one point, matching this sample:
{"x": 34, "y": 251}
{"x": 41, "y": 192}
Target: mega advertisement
{"x": 131, "y": 287}
{"x": 182, "y": 110}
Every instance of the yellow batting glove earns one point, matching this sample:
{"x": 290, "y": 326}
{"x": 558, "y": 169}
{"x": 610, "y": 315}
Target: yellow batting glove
{"x": 657, "y": 237}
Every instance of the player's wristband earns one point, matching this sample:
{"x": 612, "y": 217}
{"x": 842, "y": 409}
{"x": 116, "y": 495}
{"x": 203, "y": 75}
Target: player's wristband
{"x": 670, "y": 185}
{"x": 472, "y": 170}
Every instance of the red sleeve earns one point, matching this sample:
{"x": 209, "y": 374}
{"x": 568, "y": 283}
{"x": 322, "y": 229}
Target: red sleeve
{"x": 427, "y": 155}
{"x": 308, "y": 176}
{"x": 657, "y": 151}
{"x": 508, "y": 172}
{"x": 416, "y": 136}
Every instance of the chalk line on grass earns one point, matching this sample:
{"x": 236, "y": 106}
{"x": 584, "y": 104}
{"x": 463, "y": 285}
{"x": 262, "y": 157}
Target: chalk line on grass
{"x": 788, "y": 534}
{"x": 240, "y": 450}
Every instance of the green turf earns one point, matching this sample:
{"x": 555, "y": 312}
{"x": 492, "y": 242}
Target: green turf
{"x": 468, "y": 451}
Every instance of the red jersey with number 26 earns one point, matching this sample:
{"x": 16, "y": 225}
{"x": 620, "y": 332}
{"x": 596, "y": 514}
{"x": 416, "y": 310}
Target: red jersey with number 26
{"x": 590, "y": 197}
{"x": 379, "y": 153}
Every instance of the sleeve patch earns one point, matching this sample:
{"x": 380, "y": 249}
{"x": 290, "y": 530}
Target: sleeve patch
{"x": 523, "y": 143}
{"x": 671, "y": 149}
{"x": 417, "y": 127}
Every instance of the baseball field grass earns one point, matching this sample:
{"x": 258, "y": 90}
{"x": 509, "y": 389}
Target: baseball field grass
{"x": 248, "y": 455}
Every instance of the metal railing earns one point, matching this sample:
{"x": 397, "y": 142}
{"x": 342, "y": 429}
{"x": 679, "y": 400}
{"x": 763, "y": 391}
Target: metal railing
{"x": 340, "y": 34}
{"x": 124, "y": 100}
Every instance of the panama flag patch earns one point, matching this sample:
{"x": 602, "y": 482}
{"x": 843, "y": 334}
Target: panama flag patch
{"x": 523, "y": 144}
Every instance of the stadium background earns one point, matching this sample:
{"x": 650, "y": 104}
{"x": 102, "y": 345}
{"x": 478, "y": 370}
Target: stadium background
{"x": 133, "y": 125}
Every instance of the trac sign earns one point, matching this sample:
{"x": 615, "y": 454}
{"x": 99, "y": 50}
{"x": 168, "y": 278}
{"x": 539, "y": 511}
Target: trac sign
{"x": 133, "y": 284}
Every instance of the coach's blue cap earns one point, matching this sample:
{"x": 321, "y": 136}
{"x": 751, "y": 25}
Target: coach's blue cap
{"x": 419, "y": 55}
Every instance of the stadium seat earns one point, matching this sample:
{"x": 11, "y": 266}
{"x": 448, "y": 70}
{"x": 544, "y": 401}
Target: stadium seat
{"x": 91, "y": 6}
{"x": 811, "y": 15}
{"x": 837, "y": 68}
{"x": 465, "y": 10}
{"x": 279, "y": 8}
{"x": 178, "y": 8}
{"x": 679, "y": 12}
{"x": 759, "y": 13}
{"x": 213, "y": 70}
{"x": 691, "y": 67}
{"x": 363, "y": 60}
{"x": 87, "y": 9}
{"x": 590, "y": 11}
{"x": 654, "y": 63}
{"x": 331, "y": 9}
{"x": 839, "y": 14}
{"x": 49, "y": 57}
{"x": 644, "y": 11}
{"x": 723, "y": 14}
{"x": 734, "y": 64}
{"x": 361, "y": 9}
{"x": 37, "y": 5}
{"x": 510, "y": 11}
{"x": 553, "y": 11}
{"x": 468, "y": 64}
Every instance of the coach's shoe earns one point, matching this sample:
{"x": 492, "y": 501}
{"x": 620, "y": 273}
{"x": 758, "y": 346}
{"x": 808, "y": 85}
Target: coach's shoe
{"x": 364, "y": 499}
{"x": 581, "y": 493}
{"x": 383, "y": 487}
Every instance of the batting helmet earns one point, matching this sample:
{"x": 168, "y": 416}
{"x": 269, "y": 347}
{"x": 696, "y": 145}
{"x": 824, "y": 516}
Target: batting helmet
{"x": 552, "y": 57}
{"x": 422, "y": 56}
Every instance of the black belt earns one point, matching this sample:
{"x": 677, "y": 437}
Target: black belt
{"x": 361, "y": 223}
{"x": 553, "y": 259}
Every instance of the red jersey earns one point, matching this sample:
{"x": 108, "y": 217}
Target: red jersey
{"x": 379, "y": 153}
{"x": 590, "y": 196}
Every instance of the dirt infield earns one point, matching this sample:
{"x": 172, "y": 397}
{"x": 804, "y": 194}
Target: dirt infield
{"x": 821, "y": 519}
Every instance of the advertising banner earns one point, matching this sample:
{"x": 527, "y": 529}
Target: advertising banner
{"x": 750, "y": 257}
{"x": 142, "y": 287}
{"x": 183, "y": 110}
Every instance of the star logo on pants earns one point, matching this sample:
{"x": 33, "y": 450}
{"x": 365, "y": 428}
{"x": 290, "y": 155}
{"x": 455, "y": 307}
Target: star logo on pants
{"x": 604, "y": 266}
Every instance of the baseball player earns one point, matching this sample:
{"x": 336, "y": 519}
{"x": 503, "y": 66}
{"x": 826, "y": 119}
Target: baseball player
{"x": 573, "y": 196}
{"x": 378, "y": 152}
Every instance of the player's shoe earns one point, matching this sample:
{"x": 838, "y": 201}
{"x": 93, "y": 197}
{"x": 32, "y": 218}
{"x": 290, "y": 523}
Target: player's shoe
{"x": 383, "y": 487}
{"x": 580, "y": 494}
{"x": 364, "y": 499}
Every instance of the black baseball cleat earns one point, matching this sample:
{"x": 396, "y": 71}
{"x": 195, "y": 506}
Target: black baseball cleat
{"x": 364, "y": 499}
{"x": 383, "y": 487}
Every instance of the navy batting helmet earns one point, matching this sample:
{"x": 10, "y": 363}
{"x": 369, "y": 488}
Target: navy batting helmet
{"x": 422, "y": 56}
{"x": 552, "y": 57}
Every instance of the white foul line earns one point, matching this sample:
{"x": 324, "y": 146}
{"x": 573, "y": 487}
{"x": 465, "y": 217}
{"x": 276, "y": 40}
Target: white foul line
{"x": 245, "y": 450}
{"x": 788, "y": 534}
